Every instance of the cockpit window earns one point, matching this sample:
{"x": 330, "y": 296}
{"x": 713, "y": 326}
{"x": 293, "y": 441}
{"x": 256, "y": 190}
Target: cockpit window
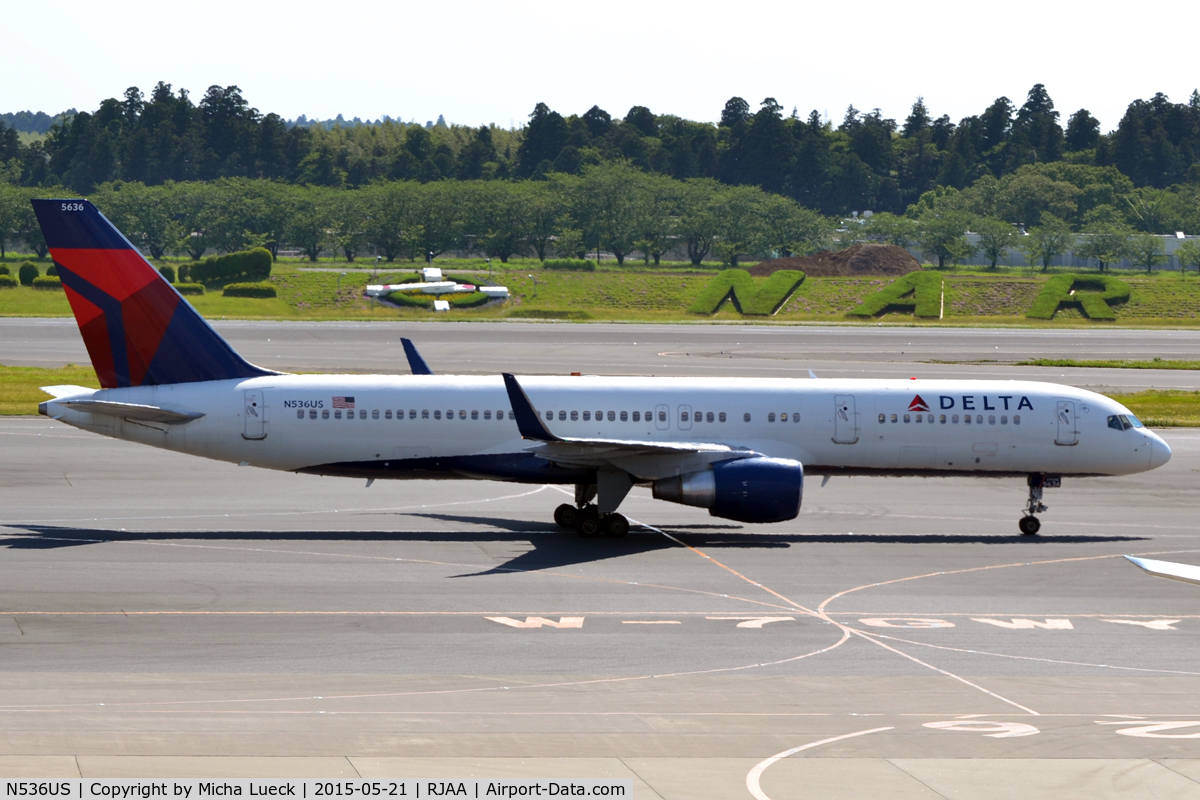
{"x": 1121, "y": 422}
{"x": 1135, "y": 422}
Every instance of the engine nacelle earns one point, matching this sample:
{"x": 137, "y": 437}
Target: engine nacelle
{"x": 746, "y": 490}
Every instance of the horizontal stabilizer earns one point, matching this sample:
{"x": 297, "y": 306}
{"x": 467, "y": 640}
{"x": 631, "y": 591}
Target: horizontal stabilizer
{"x": 66, "y": 390}
{"x": 132, "y": 411}
{"x": 1188, "y": 573}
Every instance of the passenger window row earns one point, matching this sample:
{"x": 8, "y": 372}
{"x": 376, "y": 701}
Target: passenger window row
{"x": 412, "y": 414}
{"x": 562, "y": 416}
{"x": 978, "y": 420}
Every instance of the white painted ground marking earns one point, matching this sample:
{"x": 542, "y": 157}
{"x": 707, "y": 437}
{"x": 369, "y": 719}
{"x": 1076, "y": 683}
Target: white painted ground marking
{"x": 537, "y": 622}
{"x": 754, "y": 775}
{"x": 755, "y": 622}
{"x": 1029, "y": 624}
{"x": 989, "y": 728}
{"x": 905, "y": 622}
{"x": 1152, "y": 624}
{"x": 1150, "y": 730}
{"x": 650, "y": 622}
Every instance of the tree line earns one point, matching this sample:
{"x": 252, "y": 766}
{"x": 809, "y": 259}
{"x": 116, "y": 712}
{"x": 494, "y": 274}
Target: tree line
{"x": 614, "y": 207}
{"x": 865, "y": 162}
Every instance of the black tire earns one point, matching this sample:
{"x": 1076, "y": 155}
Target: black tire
{"x": 588, "y": 523}
{"x": 565, "y": 516}
{"x": 1029, "y": 525}
{"x": 615, "y": 526}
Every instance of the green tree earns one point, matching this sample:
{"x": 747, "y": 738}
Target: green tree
{"x": 1188, "y": 254}
{"x": 496, "y": 219}
{"x": 12, "y": 201}
{"x": 1046, "y": 242}
{"x": 142, "y": 213}
{"x": 312, "y": 224}
{"x": 28, "y": 229}
{"x": 697, "y": 224}
{"x": 349, "y": 216}
{"x": 545, "y": 210}
{"x": 943, "y": 236}
{"x": 612, "y": 201}
{"x": 1147, "y": 250}
{"x": 892, "y": 229}
{"x": 1106, "y": 242}
{"x": 191, "y": 202}
{"x": 392, "y": 224}
{"x": 738, "y": 222}
{"x": 661, "y": 220}
{"x": 790, "y": 229}
{"x": 995, "y": 238}
{"x": 440, "y": 211}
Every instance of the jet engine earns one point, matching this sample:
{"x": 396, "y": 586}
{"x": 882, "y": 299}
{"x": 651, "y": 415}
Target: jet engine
{"x": 746, "y": 490}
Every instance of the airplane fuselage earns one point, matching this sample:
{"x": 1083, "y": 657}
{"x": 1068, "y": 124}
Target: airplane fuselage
{"x": 429, "y": 426}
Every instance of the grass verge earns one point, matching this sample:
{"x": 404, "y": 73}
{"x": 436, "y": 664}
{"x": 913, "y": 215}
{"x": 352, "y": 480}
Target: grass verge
{"x": 19, "y": 392}
{"x": 1154, "y": 363}
{"x": 1164, "y": 408}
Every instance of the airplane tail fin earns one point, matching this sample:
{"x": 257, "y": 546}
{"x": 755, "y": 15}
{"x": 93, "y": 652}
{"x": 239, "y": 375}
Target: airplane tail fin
{"x": 138, "y": 330}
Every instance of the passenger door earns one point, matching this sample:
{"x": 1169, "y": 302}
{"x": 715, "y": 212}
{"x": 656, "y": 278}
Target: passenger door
{"x": 255, "y": 415}
{"x": 1067, "y": 435}
{"x": 845, "y": 420}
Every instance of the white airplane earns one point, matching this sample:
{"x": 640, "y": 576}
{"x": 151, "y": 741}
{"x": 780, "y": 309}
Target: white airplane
{"x": 736, "y": 446}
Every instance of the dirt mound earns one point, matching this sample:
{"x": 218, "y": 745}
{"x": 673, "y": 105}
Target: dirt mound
{"x": 855, "y": 260}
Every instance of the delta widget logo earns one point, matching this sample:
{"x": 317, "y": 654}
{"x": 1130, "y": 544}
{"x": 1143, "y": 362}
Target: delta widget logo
{"x": 918, "y": 404}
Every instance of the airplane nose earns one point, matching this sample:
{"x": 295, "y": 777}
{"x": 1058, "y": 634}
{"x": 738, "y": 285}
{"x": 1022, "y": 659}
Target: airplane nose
{"x": 1160, "y": 452}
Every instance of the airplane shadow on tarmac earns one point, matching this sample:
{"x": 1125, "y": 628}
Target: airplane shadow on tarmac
{"x": 553, "y": 548}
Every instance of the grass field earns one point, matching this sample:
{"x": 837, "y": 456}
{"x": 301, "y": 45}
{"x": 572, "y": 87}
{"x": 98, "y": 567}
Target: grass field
{"x": 333, "y": 290}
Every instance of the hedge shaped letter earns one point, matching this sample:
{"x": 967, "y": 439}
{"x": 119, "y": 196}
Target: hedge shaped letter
{"x": 1094, "y": 294}
{"x": 737, "y": 285}
{"x": 920, "y": 291}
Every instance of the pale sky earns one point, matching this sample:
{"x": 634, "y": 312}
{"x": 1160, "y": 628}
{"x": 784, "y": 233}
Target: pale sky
{"x": 481, "y": 62}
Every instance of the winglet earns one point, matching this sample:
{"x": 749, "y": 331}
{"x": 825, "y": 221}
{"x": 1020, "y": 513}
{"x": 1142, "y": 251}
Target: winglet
{"x": 528, "y": 422}
{"x": 415, "y": 362}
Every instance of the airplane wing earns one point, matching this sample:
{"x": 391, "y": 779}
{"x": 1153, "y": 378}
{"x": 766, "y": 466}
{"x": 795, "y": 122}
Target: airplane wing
{"x": 1188, "y": 573}
{"x": 645, "y": 459}
{"x": 132, "y": 411}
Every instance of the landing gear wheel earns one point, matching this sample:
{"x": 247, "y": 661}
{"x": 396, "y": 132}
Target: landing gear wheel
{"x": 1029, "y": 525}
{"x": 565, "y": 515}
{"x": 615, "y": 526}
{"x": 587, "y": 524}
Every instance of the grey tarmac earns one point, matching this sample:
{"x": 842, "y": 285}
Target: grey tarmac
{"x": 165, "y": 616}
{"x": 832, "y": 351}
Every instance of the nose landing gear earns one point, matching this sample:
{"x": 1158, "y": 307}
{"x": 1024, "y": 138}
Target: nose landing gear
{"x": 1030, "y": 524}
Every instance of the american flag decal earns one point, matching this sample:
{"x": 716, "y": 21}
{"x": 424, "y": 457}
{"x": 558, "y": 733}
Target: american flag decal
{"x": 343, "y": 402}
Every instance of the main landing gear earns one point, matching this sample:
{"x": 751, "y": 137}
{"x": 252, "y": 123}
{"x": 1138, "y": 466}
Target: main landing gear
{"x": 589, "y": 523}
{"x": 1030, "y": 524}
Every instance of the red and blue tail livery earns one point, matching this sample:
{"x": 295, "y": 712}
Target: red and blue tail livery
{"x": 138, "y": 330}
